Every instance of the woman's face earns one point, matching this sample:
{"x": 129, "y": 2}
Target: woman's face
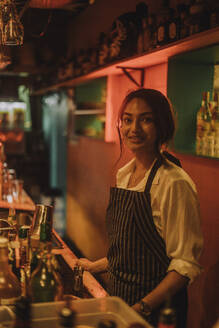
{"x": 138, "y": 129}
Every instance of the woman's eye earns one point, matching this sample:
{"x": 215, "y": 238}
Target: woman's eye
{"x": 126, "y": 120}
{"x": 147, "y": 119}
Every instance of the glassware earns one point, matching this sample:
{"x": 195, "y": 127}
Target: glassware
{"x": 10, "y": 289}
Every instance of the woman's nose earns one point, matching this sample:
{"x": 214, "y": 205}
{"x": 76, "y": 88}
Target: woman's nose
{"x": 135, "y": 125}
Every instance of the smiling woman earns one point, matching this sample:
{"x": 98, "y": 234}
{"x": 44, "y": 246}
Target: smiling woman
{"x": 152, "y": 219}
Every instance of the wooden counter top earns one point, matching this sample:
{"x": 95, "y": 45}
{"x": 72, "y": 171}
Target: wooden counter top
{"x": 90, "y": 283}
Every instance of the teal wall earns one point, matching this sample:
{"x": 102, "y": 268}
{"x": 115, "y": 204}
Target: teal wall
{"x": 189, "y": 75}
{"x": 54, "y": 124}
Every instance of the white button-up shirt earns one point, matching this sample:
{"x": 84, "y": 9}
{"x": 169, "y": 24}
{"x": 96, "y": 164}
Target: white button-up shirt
{"x": 176, "y": 214}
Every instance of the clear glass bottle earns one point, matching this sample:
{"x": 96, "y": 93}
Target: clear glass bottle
{"x": 45, "y": 283}
{"x": 10, "y": 289}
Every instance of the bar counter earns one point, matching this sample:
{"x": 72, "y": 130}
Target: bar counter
{"x": 92, "y": 286}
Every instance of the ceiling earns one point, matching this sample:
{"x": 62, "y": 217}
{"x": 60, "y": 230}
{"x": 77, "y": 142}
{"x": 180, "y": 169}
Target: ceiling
{"x": 45, "y": 42}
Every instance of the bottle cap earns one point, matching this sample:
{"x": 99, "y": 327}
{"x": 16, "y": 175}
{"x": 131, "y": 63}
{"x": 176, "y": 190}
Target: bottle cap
{"x": 23, "y": 232}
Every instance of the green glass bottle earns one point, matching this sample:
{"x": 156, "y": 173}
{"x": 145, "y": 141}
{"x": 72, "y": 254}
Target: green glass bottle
{"x": 45, "y": 282}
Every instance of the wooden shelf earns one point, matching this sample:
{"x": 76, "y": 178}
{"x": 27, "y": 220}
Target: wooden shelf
{"x": 26, "y": 205}
{"x": 151, "y": 58}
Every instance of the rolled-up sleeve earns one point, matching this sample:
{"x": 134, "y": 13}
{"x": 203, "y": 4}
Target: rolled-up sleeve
{"x": 180, "y": 216}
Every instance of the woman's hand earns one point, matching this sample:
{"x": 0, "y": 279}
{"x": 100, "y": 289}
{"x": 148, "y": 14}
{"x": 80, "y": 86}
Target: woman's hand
{"x": 98, "y": 266}
{"x": 85, "y": 264}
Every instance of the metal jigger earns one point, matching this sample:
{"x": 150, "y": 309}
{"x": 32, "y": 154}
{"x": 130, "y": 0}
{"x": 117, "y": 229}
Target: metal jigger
{"x": 42, "y": 223}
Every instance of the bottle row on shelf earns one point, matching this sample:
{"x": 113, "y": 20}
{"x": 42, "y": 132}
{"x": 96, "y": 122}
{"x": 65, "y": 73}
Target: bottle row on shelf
{"x": 135, "y": 33}
{"x": 207, "y": 126}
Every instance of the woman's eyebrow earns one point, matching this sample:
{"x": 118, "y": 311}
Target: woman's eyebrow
{"x": 141, "y": 114}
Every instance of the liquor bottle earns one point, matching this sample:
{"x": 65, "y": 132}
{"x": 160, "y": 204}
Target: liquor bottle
{"x": 24, "y": 258}
{"x": 10, "y": 289}
{"x": 200, "y": 126}
{"x": 34, "y": 256}
{"x": 167, "y": 317}
{"x": 163, "y": 23}
{"x": 215, "y": 123}
{"x": 174, "y": 25}
{"x": 153, "y": 30}
{"x": 184, "y": 20}
{"x": 78, "y": 285}
{"x": 45, "y": 283}
{"x": 199, "y": 16}
{"x": 208, "y": 137}
{"x": 142, "y": 11}
{"x": 24, "y": 250}
{"x": 23, "y": 315}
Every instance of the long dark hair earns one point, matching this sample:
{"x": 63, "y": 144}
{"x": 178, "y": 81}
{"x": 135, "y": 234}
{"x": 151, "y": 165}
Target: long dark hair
{"x": 162, "y": 109}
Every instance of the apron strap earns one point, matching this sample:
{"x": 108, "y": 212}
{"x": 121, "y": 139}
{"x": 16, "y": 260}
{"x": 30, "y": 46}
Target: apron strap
{"x": 172, "y": 158}
{"x": 157, "y": 165}
{"x": 152, "y": 174}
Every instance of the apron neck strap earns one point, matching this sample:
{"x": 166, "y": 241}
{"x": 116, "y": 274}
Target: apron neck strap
{"x": 153, "y": 172}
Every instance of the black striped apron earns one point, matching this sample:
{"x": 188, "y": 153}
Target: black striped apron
{"x": 137, "y": 253}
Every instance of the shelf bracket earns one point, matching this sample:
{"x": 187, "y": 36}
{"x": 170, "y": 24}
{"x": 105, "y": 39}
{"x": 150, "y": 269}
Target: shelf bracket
{"x": 128, "y": 74}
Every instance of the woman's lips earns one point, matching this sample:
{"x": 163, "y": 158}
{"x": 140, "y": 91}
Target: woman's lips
{"x": 135, "y": 139}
